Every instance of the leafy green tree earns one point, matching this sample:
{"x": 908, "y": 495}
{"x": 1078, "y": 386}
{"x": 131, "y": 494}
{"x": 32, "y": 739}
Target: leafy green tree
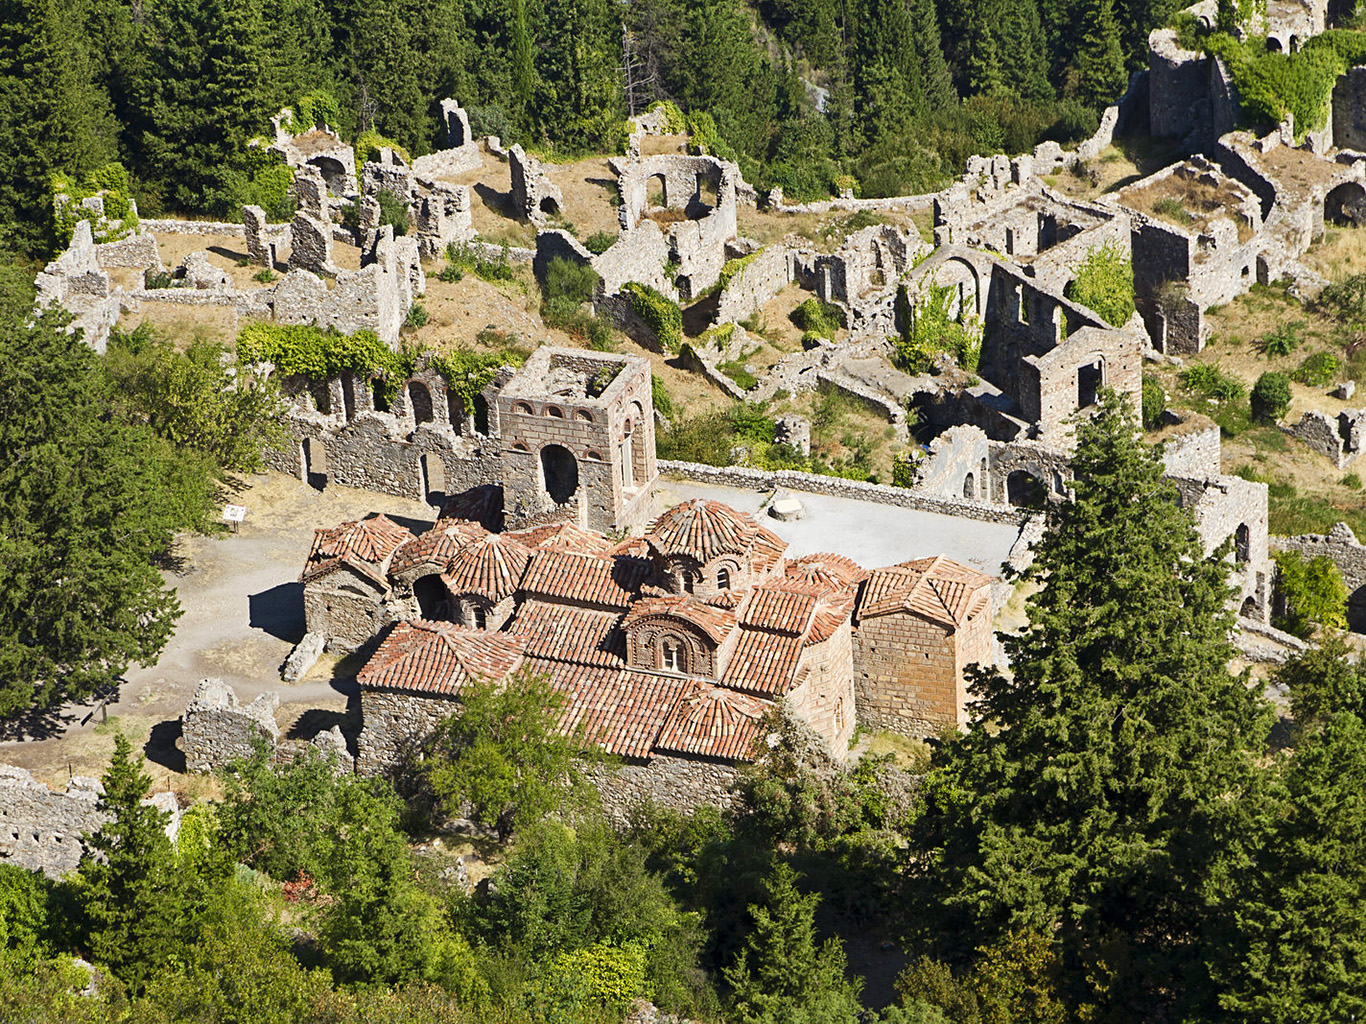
{"x": 1309, "y": 592}
{"x": 783, "y": 973}
{"x": 194, "y": 399}
{"x": 86, "y": 504}
{"x": 504, "y": 755}
{"x": 1014, "y": 981}
{"x": 1093, "y": 789}
{"x": 129, "y": 894}
{"x": 1105, "y": 283}
{"x": 24, "y": 912}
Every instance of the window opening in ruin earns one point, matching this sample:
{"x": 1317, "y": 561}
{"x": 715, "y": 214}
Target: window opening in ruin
{"x": 432, "y": 600}
{"x": 689, "y": 580}
{"x": 1024, "y": 305}
{"x": 548, "y": 205}
{"x": 585, "y": 415}
{"x": 672, "y": 655}
{"x": 481, "y": 415}
{"x": 723, "y": 578}
{"x": 1273, "y": 44}
{"x": 656, "y": 192}
{"x": 433, "y": 479}
{"x": 314, "y": 463}
{"x": 708, "y": 191}
{"x": 1089, "y": 382}
{"x": 1242, "y": 543}
{"x": 555, "y": 411}
{"x": 348, "y": 384}
{"x": 421, "y": 401}
{"x": 377, "y": 393}
{"x": 983, "y": 475}
{"x": 969, "y": 487}
{"x": 560, "y": 472}
{"x": 455, "y": 412}
{"x": 481, "y": 618}
{"x": 522, "y": 407}
{"x": 1249, "y": 608}
{"x": 1025, "y": 490}
{"x": 1010, "y": 241}
{"x": 628, "y": 476}
{"x": 322, "y": 396}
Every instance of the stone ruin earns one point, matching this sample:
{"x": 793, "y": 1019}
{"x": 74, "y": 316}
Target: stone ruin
{"x": 318, "y": 148}
{"x": 215, "y": 729}
{"x": 42, "y": 829}
{"x": 534, "y": 196}
{"x": 1340, "y": 438}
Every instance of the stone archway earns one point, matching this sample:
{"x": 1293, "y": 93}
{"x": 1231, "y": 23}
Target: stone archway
{"x": 1345, "y": 204}
{"x": 559, "y": 473}
{"x": 1025, "y": 490}
{"x": 433, "y": 600}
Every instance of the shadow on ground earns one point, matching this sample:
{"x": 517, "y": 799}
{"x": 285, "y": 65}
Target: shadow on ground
{"x": 161, "y": 746}
{"x": 279, "y": 611}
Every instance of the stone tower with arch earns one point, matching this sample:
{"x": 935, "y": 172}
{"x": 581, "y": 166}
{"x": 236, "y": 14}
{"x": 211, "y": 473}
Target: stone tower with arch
{"x": 577, "y": 439}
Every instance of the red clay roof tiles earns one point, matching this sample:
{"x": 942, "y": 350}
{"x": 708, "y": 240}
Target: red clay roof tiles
{"x": 569, "y": 634}
{"x": 585, "y": 578}
{"x": 711, "y": 721}
{"x": 491, "y": 567}
{"x": 763, "y": 662}
{"x": 715, "y": 622}
{"x": 439, "y": 658}
{"x": 702, "y": 529}
{"x": 938, "y": 589}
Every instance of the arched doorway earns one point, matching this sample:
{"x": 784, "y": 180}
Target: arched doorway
{"x": 314, "y": 463}
{"x": 559, "y": 473}
{"x": 432, "y": 599}
{"x": 970, "y": 487}
{"x": 433, "y": 481}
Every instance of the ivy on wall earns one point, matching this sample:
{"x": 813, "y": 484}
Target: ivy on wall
{"x": 110, "y": 182}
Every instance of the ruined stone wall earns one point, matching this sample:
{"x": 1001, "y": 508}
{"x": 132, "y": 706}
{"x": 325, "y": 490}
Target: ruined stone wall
{"x": 1112, "y": 357}
{"x": 906, "y": 676}
{"x": 40, "y": 828}
{"x": 1163, "y": 256}
{"x": 812, "y": 483}
{"x": 957, "y": 465}
{"x": 139, "y": 251}
{"x": 1340, "y": 440}
{"x": 757, "y": 282}
{"x": 1046, "y": 464}
{"x": 215, "y": 729}
{"x": 1229, "y": 508}
{"x": 1195, "y": 454}
{"x": 680, "y": 784}
{"x": 395, "y": 726}
{"x": 637, "y": 255}
{"x": 1349, "y": 110}
{"x": 825, "y": 700}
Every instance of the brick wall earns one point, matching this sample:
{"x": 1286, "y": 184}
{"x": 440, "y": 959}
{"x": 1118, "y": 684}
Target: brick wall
{"x": 907, "y": 675}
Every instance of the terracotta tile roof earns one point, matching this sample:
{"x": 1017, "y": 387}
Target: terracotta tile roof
{"x": 715, "y": 622}
{"x": 763, "y": 662}
{"x": 831, "y": 613}
{"x": 369, "y": 540}
{"x": 491, "y": 567}
{"x": 584, "y": 578}
{"x": 938, "y": 589}
{"x": 314, "y": 573}
{"x": 439, "y": 658}
{"x": 620, "y": 711}
{"x": 558, "y": 633}
{"x": 781, "y": 609}
{"x": 711, "y": 721}
{"x": 437, "y": 546}
{"x": 702, "y": 529}
{"x": 563, "y": 537}
{"x": 827, "y": 571}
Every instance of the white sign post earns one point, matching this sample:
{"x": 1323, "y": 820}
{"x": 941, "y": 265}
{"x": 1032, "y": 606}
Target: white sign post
{"x": 234, "y": 514}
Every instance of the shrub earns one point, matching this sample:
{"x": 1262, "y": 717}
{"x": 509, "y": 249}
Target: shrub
{"x": 417, "y": 315}
{"x": 659, "y": 394}
{"x": 111, "y": 180}
{"x": 600, "y": 241}
{"x": 1352, "y": 481}
{"x": 393, "y": 210}
{"x": 814, "y": 315}
{"x": 312, "y": 109}
{"x": 1154, "y": 402}
{"x": 660, "y": 314}
{"x": 1270, "y": 396}
{"x": 265, "y": 275}
{"x": 1210, "y": 380}
{"x": 572, "y": 280}
{"x": 1318, "y": 369}
{"x": 1308, "y": 592}
{"x": 450, "y": 273}
{"x": 474, "y": 258}
{"x": 265, "y": 181}
{"x": 1283, "y": 340}
{"x": 370, "y": 142}
{"x": 1345, "y": 301}
{"x": 931, "y": 329}
{"x": 737, "y": 371}
{"x": 1105, "y": 283}
{"x": 1172, "y": 209}
{"x": 158, "y": 279}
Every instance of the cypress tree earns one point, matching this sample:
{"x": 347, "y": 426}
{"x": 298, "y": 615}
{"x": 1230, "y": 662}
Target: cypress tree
{"x": 1089, "y": 797}
{"x": 1096, "y": 74}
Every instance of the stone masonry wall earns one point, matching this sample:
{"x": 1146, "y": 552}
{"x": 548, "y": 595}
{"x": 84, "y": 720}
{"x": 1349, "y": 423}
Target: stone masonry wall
{"x": 679, "y": 783}
{"x": 1340, "y": 545}
{"x": 757, "y": 282}
{"x": 826, "y": 701}
{"x": 216, "y": 729}
{"x": 906, "y": 675}
{"x": 396, "y": 724}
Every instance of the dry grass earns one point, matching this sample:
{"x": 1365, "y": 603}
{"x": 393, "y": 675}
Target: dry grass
{"x": 1340, "y": 254}
{"x": 1202, "y": 202}
{"x": 911, "y": 754}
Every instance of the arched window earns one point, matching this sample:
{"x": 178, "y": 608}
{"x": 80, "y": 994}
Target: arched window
{"x": 585, "y": 415}
{"x": 481, "y": 618}
{"x": 421, "y": 400}
{"x": 689, "y": 580}
{"x": 555, "y": 411}
{"x": 671, "y": 655}
{"x": 523, "y": 408}
{"x": 560, "y": 471}
{"x": 723, "y": 578}
{"x": 969, "y": 486}
{"x": 1242, "y": 543}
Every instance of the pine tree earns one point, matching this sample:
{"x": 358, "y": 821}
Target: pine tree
{"x": 1096, "y": 74}
{"x": 1297, "y": 945}
{"x": 1095, "y": 786}
{"x": 783, "y": 973}
{"x": 129, "y": 897}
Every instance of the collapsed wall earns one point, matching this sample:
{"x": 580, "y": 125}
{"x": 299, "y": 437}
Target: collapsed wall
{"x": 215, "y": 729}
